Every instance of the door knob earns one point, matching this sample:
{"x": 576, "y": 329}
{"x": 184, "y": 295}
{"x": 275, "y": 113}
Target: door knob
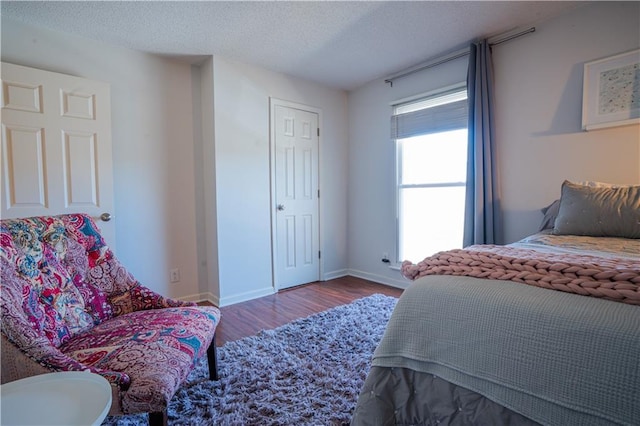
{"x": 106, "y": 217}
{"x": 280, "y": 207}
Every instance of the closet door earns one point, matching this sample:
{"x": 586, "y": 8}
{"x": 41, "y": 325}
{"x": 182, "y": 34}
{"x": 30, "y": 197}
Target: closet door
{"x": 296, "y": 202}
{"x": 56, "y": 146}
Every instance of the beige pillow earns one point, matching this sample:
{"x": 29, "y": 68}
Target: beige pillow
{"x": 599, "y": 211}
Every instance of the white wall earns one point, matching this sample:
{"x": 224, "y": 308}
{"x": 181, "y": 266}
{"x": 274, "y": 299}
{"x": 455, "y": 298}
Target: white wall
{"x": 538, "y": 129}
{"x": 243, "y": 206}
{"x": 372, "y": 211}
{"x": 206, "y": 210}
{"x": 153, "y": 146}
{"x": 191, "y": 162}
{"x": 539, "y": 111}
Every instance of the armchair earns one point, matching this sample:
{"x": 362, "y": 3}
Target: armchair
{"x": 67, "y": 304}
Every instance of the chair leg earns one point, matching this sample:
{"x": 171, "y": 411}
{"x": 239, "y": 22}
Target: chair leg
{"x": 158, "y": 418}
{"x": 213, "y": 360}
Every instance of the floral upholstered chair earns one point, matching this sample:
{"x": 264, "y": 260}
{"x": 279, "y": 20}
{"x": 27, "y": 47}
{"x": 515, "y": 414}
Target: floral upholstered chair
{"x": 67, "y": 304}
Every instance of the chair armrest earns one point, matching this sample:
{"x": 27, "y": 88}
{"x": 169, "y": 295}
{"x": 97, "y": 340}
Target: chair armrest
{"x": 40, "y": 357}
{"x": 140, "y": 298}
{"x": 144, "y": 298}
{"x": 124, "y": 292}
{"x": 24, "y": 347}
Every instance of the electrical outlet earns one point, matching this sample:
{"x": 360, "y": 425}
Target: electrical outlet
{"x": 174, "y": 275}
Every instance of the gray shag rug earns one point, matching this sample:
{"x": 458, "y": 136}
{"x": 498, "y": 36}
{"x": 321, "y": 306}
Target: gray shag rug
{"x": 307, "y": 372}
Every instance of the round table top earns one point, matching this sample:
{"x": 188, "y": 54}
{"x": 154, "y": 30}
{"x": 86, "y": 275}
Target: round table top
{"x": 63, "y": 398}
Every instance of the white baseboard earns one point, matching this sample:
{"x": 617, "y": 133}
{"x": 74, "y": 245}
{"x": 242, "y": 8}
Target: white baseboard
{"x": 380, "y": 279}
{"x": 267, "y": 291}
{"x": 229, "y": 300}
{"x": 249, "y": 295}
{"x": 201, "y": 297}
{"x": 335, "y": 274}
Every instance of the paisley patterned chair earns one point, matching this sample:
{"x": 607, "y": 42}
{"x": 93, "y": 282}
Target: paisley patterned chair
{"x": 67, "y": 304}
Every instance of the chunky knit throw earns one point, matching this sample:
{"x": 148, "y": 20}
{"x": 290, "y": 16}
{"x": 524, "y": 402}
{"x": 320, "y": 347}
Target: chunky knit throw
{"x": 617, "y": 280}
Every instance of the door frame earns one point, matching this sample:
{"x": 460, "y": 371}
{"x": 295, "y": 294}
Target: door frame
{"x": 273, "y": 103}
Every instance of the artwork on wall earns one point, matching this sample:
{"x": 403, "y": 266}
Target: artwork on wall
{"x": 611, "y": 91}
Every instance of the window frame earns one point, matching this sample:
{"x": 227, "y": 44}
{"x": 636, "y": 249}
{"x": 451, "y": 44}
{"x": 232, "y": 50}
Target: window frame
{"x": 459, "y": 87}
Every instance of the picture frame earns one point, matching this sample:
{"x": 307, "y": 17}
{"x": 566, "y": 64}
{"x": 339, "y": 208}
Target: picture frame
{"x": 611, "y": 91}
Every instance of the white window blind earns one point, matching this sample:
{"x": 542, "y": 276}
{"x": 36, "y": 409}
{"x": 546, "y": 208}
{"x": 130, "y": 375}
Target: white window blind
{"x": 433, "y": 115}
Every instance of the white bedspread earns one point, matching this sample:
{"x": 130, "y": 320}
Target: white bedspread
{"x": 606, "y": 247}
{"x": 557, "y": 358}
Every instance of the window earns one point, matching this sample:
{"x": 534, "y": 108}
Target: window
{"x": 431, "y": 164}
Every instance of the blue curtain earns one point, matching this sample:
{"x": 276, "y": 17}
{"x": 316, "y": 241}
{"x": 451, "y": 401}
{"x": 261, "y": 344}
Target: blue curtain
{"x": 483, "y": 216}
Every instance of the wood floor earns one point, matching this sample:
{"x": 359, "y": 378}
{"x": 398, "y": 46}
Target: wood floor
{"x": 247, "y": 318}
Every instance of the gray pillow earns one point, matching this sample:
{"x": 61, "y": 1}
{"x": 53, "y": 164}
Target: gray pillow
{"x": 550, "y": 213}
{"x": 600, "y": 211}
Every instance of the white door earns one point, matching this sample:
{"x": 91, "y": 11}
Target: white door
{"x": 56, "y": 146}
{"x": 296, "y": 247}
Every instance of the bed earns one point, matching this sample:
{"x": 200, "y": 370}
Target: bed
{"x": 542, "y": 331}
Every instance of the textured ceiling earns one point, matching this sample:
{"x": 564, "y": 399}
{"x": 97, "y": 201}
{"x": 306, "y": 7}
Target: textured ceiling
{"x": 337, "y": 44}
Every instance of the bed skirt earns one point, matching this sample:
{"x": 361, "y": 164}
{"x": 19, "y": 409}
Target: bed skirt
{"x": 401, "y": 396}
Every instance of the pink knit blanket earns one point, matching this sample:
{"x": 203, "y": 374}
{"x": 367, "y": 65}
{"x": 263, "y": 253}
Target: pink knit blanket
{"x": 617, "y": 280}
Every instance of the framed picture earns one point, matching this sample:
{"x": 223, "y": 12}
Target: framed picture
{"x": 611, "y": 91}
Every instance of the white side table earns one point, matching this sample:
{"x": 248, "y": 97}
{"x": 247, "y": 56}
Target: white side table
{"x": 64, "y": 398}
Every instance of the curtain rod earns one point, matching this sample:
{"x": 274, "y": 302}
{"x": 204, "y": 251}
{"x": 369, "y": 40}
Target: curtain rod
{"x": 450, "y": 57}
